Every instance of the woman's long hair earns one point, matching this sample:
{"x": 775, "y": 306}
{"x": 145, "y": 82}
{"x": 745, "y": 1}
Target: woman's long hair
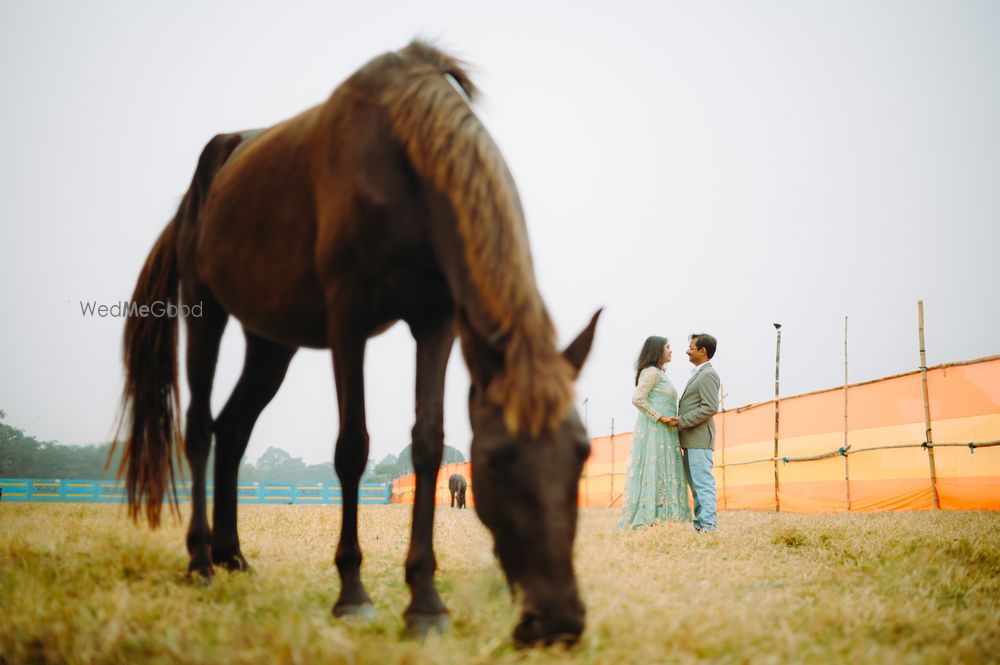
{"x": 652, "y": 352}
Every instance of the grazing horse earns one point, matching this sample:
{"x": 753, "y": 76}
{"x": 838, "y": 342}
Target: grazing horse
{"x": 387, "y": 202}
{"x": 457, "y": 487}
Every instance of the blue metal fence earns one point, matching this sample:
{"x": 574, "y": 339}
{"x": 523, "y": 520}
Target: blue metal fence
{"x": 110, "y": 491}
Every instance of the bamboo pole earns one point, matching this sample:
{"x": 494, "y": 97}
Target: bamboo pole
{"x": 586, "y": 465}
{"x": 847, "y": 475}
{"x": 777, "y": 366}
{"x": 612, "y": 463}
{"x": 928, "y": 438}
{"x": 722, "y": 400}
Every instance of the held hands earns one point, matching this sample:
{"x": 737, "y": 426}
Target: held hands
{"x": 668, "y": 421}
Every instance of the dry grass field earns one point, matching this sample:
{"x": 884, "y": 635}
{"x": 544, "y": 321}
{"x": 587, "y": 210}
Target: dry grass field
{"x": 79, "y": 584}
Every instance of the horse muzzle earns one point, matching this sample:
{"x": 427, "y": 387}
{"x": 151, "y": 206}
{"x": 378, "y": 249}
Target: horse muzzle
{"x": 562, "y": 625}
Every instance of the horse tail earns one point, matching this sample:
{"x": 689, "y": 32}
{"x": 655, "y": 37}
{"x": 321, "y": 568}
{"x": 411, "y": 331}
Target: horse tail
{"x": 150, "y": 405}
{"x": 448, "y": 145}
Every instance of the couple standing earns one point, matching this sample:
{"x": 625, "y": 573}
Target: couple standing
{"x": 672, "y": 444}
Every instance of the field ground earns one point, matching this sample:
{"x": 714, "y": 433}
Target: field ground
{"x": 79, "y": 584}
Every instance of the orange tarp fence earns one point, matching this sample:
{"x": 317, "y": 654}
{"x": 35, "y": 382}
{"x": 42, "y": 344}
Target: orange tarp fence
{"x": 964, "y": 403}
{"x": 964, "y": 406}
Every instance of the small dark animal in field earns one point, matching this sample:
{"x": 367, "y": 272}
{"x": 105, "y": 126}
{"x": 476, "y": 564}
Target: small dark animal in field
{"x": 457, "y": 487}
{"x": 387, "y": 202}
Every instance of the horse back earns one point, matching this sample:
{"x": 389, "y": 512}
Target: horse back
{"x": 317, "y": 207}
{"x": 187, "y": 221}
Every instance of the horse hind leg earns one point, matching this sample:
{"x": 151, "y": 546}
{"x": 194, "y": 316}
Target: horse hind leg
{"x": 264, "y": 369}
{"x": 204, "y": 335}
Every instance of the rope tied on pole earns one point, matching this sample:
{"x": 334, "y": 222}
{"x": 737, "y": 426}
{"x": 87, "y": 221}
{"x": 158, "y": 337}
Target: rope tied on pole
{"x": 850, "y": 450}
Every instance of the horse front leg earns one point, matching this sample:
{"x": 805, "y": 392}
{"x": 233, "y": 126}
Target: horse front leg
{"x": 434, "y": 337}
{"x": 350, "y": 458}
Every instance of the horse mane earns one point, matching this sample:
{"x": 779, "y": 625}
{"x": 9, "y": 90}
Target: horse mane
{"x": 449, "y": 146}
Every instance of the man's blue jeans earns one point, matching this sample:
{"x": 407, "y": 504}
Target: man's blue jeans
{"x": 698, "y": 470}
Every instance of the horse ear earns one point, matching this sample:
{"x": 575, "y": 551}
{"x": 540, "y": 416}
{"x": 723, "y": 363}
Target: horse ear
{"x": 576, "y": 353}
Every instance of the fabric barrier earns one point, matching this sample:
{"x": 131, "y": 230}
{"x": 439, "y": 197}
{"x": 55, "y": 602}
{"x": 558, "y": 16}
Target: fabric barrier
{"x": 964, "y": 403}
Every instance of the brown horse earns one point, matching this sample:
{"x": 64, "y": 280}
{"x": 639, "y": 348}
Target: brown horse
{"x": 387, "y": 202}
{"x": 457, "y": 486}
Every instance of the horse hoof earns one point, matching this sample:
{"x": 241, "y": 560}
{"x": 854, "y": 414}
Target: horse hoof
{"x": 419, "y": 626}
{"x": 200, "y": 576}
{"x": 235, "y": 564}
{"x": 362, "y": 611}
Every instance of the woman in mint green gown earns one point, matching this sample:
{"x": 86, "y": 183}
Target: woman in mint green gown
{"x": 655, "y": 488}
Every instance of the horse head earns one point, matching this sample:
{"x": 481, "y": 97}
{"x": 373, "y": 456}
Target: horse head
{"x": 526, "y": 494}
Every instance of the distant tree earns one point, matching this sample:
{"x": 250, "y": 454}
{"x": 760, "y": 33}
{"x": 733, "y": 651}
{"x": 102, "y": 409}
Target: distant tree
{"x": 388, "y": 466}
{"x": 405, "y": 461}
{"x": 248, "y": 472}
{"x": 23, "y": 456}
{"x": 386, "y": 470}
{"x": 276, "y": 465}
{"x": 392, "y": 467}
{"x": 452, "y": 455}
{"x": 16, "y": 451}
{"x": 319, "y": 473}
{"x": 272, "y": 459}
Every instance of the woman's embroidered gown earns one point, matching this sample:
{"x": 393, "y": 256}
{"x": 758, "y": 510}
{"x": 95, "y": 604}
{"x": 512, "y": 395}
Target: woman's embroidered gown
{"x": 655, "y": 489}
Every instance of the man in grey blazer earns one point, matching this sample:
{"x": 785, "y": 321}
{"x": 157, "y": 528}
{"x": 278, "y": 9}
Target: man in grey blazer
{"x": 696, "y": 426}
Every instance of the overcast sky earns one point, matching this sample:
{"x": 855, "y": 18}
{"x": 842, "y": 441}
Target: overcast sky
{"x": 688, "y": 166}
